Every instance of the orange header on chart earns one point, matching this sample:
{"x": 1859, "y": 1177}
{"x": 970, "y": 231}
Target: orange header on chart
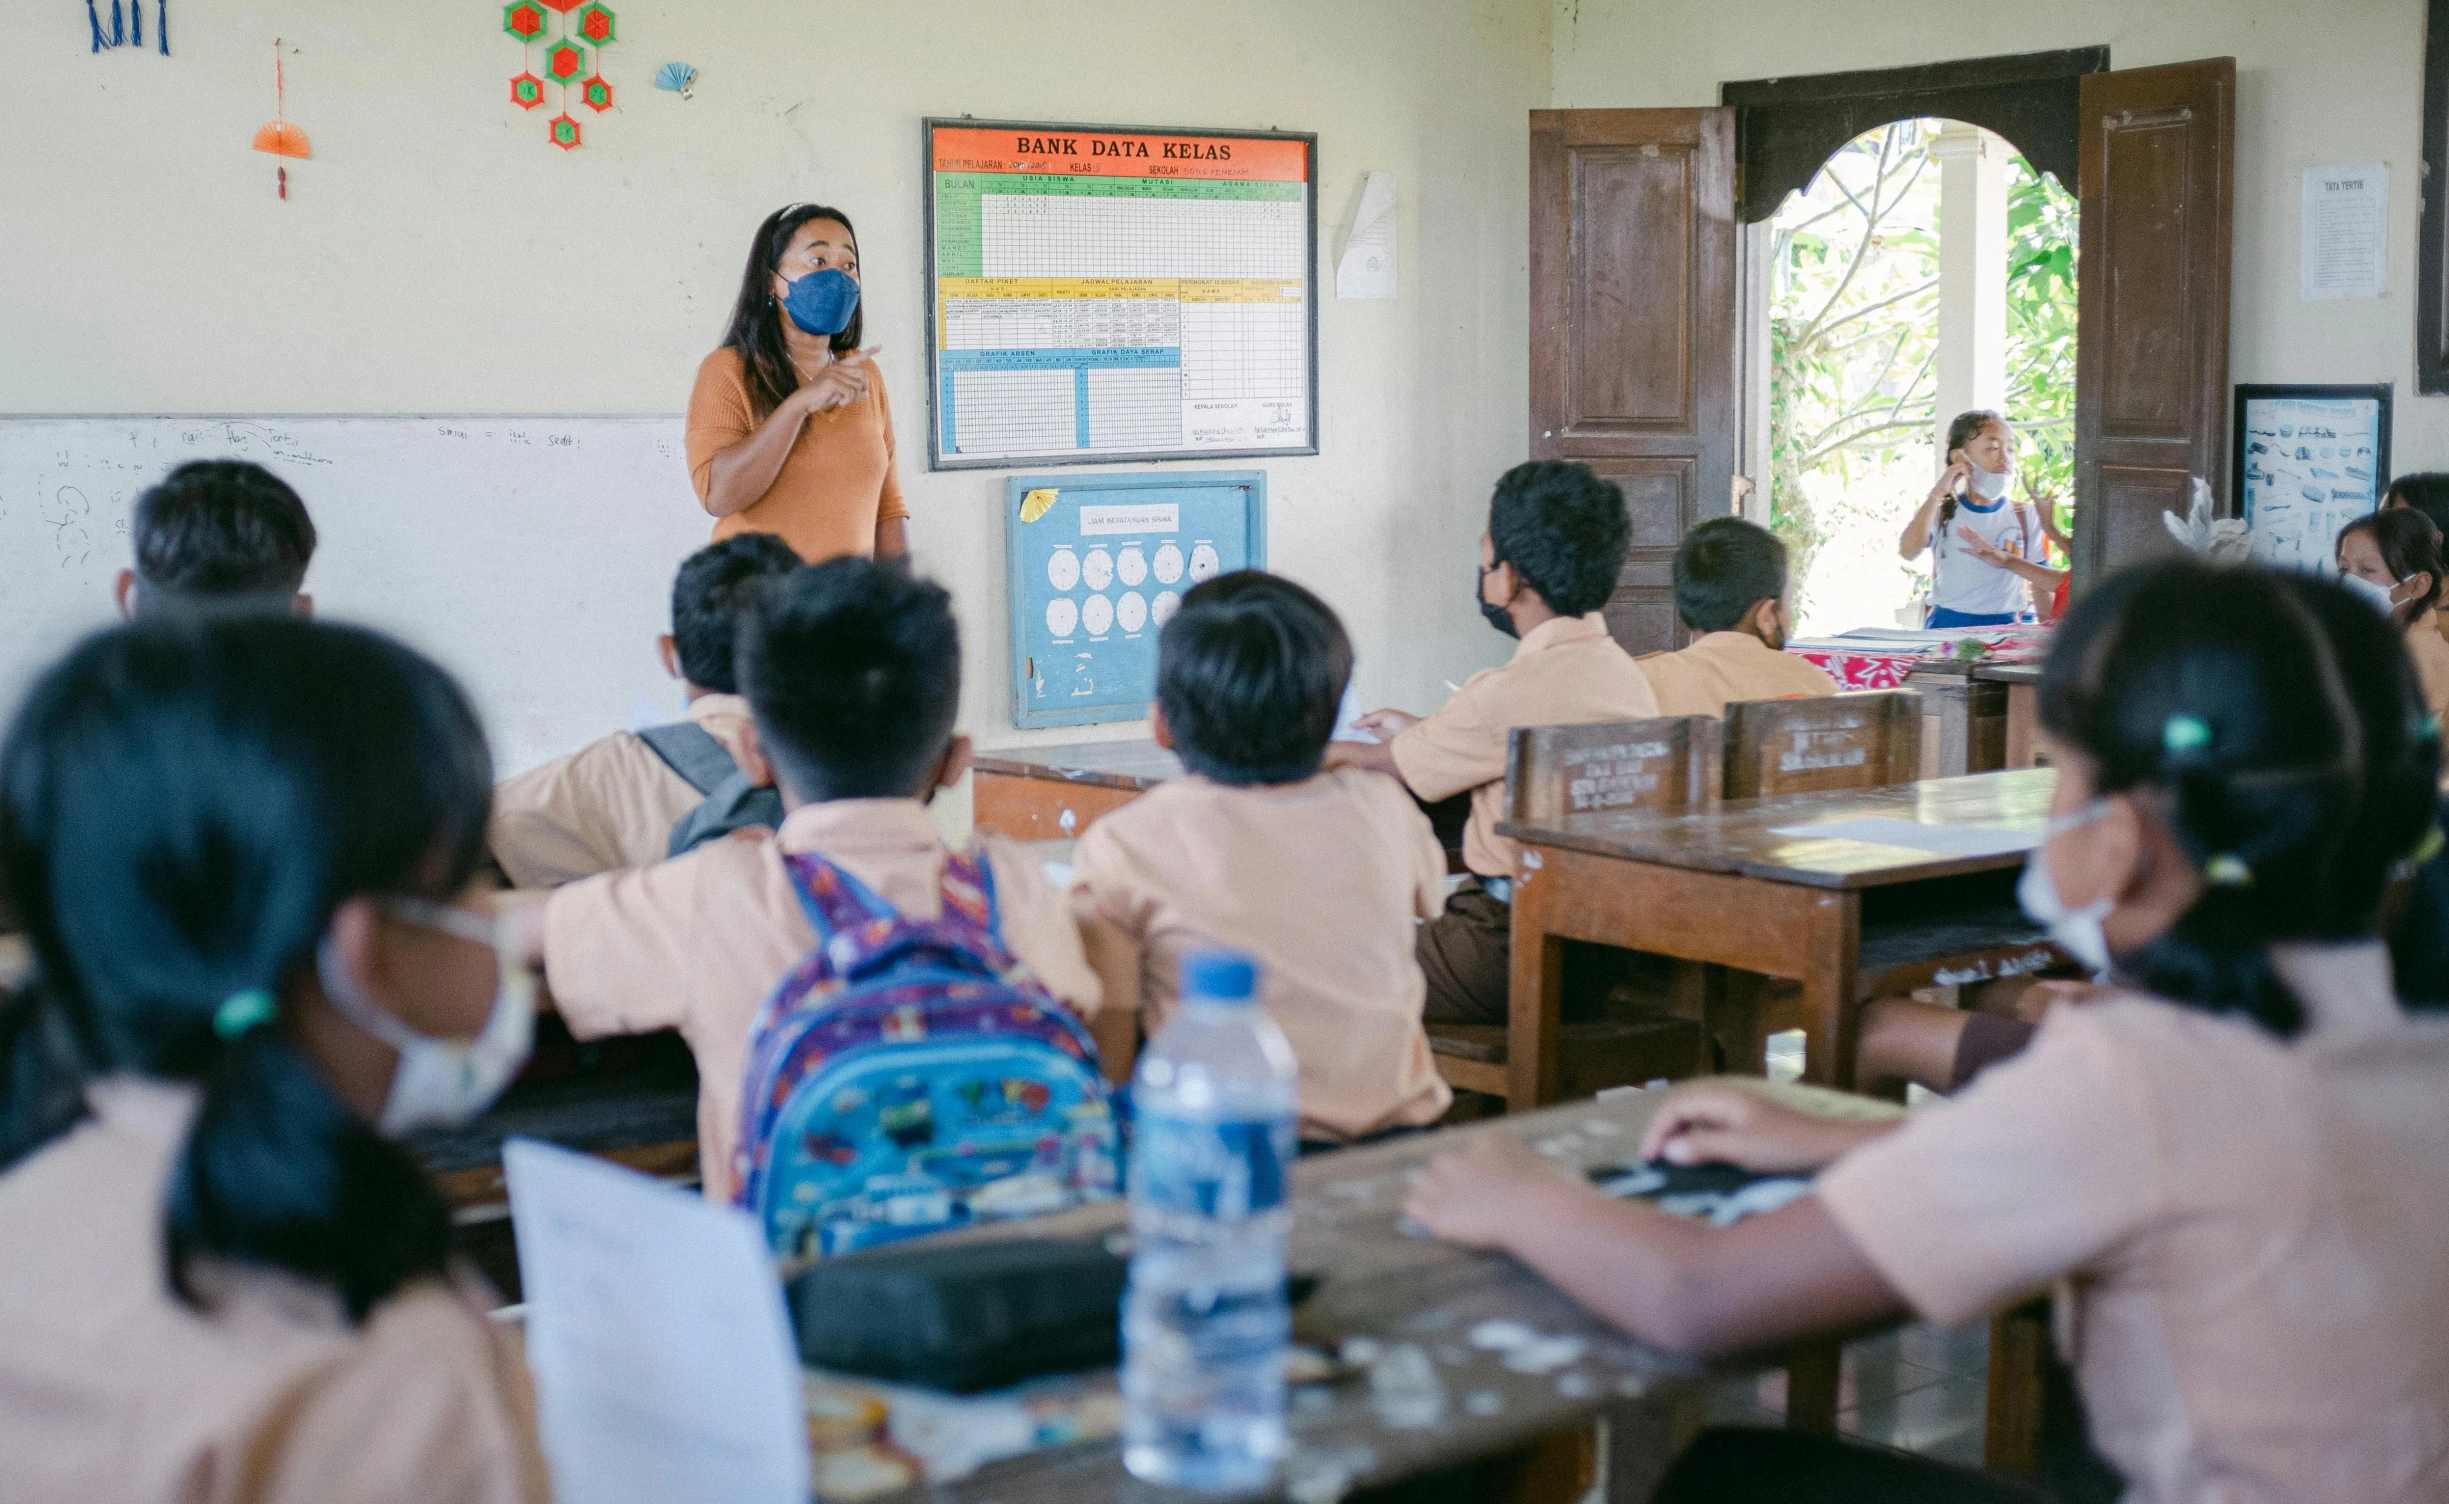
{"x": 1119, "y": 154}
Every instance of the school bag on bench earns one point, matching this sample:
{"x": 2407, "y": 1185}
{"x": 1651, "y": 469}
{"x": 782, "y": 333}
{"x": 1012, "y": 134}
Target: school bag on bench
{"x": 909, "y": 1076}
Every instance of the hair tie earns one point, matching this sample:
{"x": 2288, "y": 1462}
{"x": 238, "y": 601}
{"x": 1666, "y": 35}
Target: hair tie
{"x": 242, "y": 1011}
{"x": 2427, "y": 848}
{"x": 2227, "y": 870}
{"x": 2183, "y": 733}
{"x": 2428, "y": 729}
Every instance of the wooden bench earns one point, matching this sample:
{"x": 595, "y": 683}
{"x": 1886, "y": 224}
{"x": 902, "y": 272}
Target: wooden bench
{"x": 1671, "y": 764}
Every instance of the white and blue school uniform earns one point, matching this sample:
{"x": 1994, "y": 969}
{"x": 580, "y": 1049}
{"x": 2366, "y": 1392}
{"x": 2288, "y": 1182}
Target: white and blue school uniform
{"x": 1964, "y": 591}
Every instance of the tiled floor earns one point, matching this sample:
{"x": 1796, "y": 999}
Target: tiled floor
{"x": 1920, "y": 1388}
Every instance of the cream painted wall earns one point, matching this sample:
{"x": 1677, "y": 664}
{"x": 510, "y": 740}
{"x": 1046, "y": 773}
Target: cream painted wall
{"x": 2317, "y": 84}
{"x": 437, "y": 255}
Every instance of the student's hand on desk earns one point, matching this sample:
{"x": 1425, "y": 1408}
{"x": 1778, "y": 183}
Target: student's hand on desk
{"x": 1479, "y": 1196}
{"x": 1711, "y": 1124}
{"x": 1386, "y": 725}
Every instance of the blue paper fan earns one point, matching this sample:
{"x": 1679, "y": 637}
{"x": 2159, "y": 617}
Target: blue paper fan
{"x": 677, "y": 77}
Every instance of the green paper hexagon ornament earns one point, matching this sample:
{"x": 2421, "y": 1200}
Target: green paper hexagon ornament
{"x": 524, "y": 19}
{"x": 597, "y": 92}
{"x": 566, "y": 134}
{"x": 565, "y": 62}
{"x": 527, "y": 91}
{"x": 595, "y": 23}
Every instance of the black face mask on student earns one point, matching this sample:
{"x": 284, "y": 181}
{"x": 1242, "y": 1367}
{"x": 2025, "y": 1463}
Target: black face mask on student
{"x": 1497, "y": 616}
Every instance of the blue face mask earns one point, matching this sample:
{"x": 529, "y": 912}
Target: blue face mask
{"x": 822, "y": 302}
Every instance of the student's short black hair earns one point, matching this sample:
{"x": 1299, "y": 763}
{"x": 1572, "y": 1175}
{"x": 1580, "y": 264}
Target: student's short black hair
{"x": 218, "y": 529}
{"x": 854, "y": 671}
{"x": 713, "y": 588}
{"x": 1564, "y": 529}
{"x": 2426, "y": 491}
{"x": 1724, "y": 568}
{"x": 1250, "y": 673}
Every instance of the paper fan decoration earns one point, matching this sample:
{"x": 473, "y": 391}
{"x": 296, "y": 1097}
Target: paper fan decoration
{"x": 277, "y": 136}
{"x": 570, "y": 63}
{"x": 677, "y": 78}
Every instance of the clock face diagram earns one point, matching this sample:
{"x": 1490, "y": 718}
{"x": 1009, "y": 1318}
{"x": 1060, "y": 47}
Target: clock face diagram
{"x": 1131, "y": 566}
{"x": 1162, "y": 609}
{"x": 1097, "y": 570}
{"x": 1203, "y": 562}
{"x": 1097, "y": 615}
{"x": 1063, "y": 570}
{"x": 1131, "y": 612}
{"x": 1062, "y": 616}
{"x": 1168, "y": 564}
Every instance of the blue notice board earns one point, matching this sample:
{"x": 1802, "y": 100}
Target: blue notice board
{"x": 1099, "y": 564}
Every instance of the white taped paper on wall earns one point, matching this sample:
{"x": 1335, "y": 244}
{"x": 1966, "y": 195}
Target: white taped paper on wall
{"x": 2345, "y": 253}
{"x": 1367, "y": 269}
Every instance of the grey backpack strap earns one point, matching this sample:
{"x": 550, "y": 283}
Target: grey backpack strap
{"x": 691, "y": 751}
{"x": 735, "y": 804}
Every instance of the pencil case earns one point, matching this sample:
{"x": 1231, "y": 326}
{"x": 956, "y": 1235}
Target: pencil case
{"x": 962, "y": 1318}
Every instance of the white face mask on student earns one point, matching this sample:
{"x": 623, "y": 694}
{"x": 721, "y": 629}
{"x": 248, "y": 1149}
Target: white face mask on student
{"x": 2077, "y": 931}
{"x": 1989, "y": 485}
{"x": 2382, "y": 598}
{"x": 440, "y": 1083}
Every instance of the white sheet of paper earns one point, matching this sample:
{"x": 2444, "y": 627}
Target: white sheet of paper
{"x": 2345, "y": 250}
{"x": 655, "y": 1329}
{"x": 1945, "y": 840}
{"x": 1367, "y": 269}
{"x": 1346, "y": 715}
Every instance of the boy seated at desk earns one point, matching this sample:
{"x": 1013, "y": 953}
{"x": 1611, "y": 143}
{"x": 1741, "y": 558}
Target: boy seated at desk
{"x": 853, "y": 673}
{"x": 218, "y": 533}
{"x": 1731, "y": 587}
{"x": 613, "y": 803}
{"x": 1318, "y": 874}
{"x": 1556, "y": 540}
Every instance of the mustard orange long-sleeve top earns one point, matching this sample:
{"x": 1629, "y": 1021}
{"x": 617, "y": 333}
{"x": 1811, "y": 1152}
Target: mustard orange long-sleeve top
{"x": 837, "y": 484}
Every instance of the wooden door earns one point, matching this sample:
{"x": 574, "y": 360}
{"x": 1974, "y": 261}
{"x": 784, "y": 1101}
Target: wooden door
{"x": 1633, "y": 260}
{"x": 2156, "y": 183}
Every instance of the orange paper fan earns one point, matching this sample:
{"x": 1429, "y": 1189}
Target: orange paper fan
{"x": 282, "y": 139}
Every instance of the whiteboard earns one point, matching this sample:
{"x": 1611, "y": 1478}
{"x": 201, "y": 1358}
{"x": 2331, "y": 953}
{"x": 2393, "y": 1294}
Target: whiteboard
{"x": 1100, "y": 293}
{"x": 532, "y": 557}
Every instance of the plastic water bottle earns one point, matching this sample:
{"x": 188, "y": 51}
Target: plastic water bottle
{"x": 1204, "y": 1320}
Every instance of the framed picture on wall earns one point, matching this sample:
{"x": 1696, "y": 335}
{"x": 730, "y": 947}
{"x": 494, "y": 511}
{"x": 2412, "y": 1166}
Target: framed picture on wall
{"x": 2307, "y": 460}
{"x": 2432, "y": 243}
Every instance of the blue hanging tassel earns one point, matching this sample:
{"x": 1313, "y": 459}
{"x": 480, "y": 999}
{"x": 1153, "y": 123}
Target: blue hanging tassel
{"x": 96, "y": 22}
{"x": 161, "y": 24}
{"x": 119, "y": 25}
{"x": 136, "y": 13}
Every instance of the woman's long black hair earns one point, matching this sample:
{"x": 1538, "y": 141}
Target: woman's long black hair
{"x": 183, "y": 805}
{"x": 2274, "y": 722}
{"x": 756, "y": 323}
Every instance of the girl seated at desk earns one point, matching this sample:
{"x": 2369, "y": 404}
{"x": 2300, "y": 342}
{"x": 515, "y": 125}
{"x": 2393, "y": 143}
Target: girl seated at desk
{"x": 2237, "y": 1166}
{"x": 237, "y": 845}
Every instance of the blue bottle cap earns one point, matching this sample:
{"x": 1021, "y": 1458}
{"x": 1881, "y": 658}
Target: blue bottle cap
{"x": 1219, "y": 976}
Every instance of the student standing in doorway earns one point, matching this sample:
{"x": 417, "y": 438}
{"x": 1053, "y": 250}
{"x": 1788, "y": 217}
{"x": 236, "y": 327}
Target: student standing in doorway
{"x": 789, "y": 431}
{"x": 1966, "y": 589}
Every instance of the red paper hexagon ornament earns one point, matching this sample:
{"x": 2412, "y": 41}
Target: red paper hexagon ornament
{"x": 524, "y": 19}
{"x": 565, "y": 62}
{"x": 527, "y": 91}
{"x": 563, "y": 6}
{"x": 597, "y": 92}
{"x": 565, "y": 132}
{"x": 595, "y": 23}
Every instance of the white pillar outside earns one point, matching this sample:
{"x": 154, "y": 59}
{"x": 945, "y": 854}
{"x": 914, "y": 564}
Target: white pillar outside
{"x": 1972, "y": 364}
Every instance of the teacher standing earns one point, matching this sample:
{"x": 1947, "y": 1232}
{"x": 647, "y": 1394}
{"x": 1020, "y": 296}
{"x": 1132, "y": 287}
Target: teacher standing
{"x": 789, "y": 432}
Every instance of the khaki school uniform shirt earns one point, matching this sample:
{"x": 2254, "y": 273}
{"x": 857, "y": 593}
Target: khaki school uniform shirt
{"x": 1565, "y": 672}
{"x": 112, "y": 1388}
{"x": 697, "y": 943}
{"x": 611, "y": 804}
{"x": 1722, "y": 668}
{"x": 837, "y": 483}
{"x": 1321, "y": 883}
{"x": 2251, "y": 1234}
{"x": 2430, "y": 651}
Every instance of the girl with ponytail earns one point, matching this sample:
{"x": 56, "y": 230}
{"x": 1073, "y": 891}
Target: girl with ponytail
{"x": 237, "y": 846}
{"x": 2234, "y": 1165}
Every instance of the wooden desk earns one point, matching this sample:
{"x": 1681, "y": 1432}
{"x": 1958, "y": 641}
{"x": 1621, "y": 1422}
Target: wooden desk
{"x": 1722, "y": 886}
{"x": 1057, "y": 793}
{"x": 2023, "y": 685}
{"x": 1394, "y": 1289}
{"x": 1964, "y": 719}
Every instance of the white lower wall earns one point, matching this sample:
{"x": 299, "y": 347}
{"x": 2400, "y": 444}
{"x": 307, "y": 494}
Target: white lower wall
{"x": 437, "y": 255}
{"x": 2322, "y": 84}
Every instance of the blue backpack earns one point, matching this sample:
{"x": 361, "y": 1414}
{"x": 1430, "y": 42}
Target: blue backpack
{"x": 910, "y": 1076}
